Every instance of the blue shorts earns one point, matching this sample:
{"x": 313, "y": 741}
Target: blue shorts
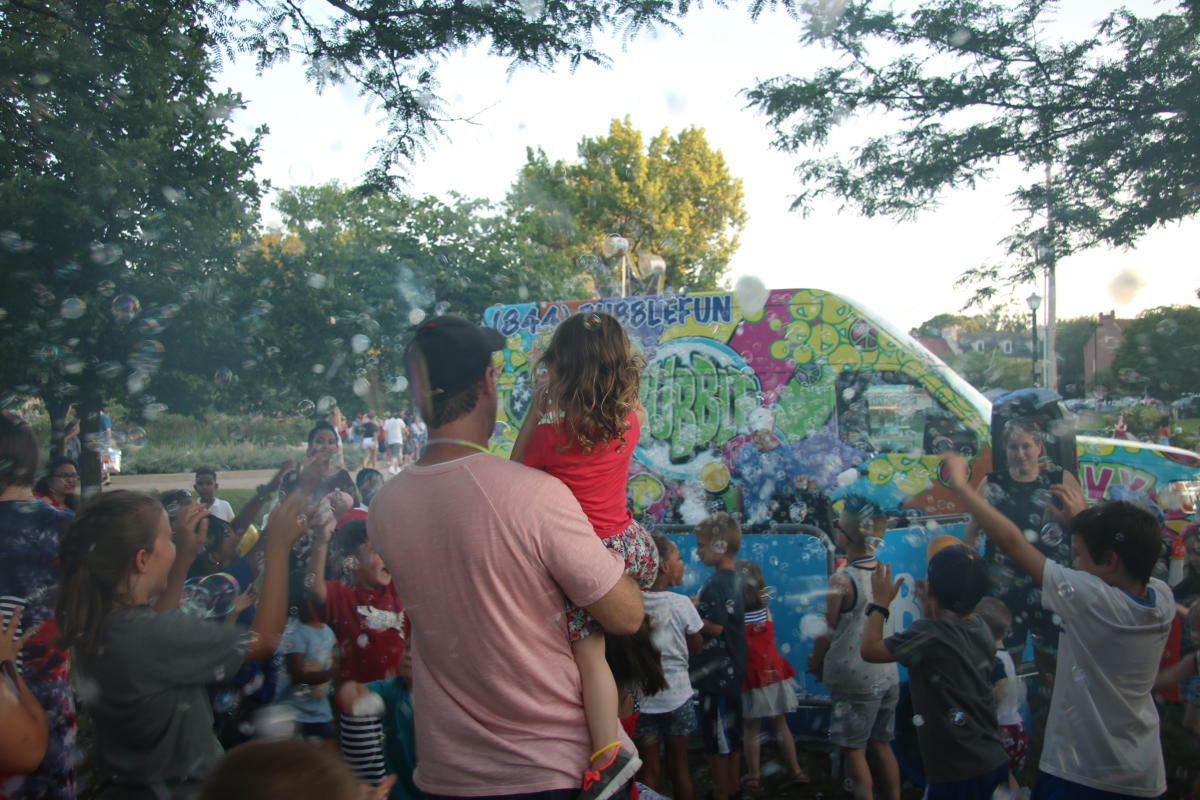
{"x": 721, "y": 723}
{"x": 680, "y": 722}
{"x": 980, "y": 788}
{"x": 1052, "y": 787}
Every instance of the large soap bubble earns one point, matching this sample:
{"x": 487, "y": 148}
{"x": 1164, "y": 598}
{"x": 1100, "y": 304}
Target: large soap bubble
{"x": 211, "y": 596}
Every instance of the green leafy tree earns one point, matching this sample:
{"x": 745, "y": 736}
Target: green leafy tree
{"x": 999, "y": 319}
{"x": 120, "y": 184}
{"x": 992, "y": 370}
{"x": 390, "y": 51}
{"x": 673, "y": 198}
{"x": 1159, "y": 353}
{"x": 1105, "y": 125}
{"x": 358, "y": 270}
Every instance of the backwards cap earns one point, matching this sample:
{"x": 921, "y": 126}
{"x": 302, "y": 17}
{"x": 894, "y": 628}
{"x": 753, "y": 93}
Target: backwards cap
{"x": 449, "y": 354}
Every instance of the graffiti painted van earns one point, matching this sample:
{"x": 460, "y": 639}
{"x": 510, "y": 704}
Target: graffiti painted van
{"x": 774, "y": 411}
{"x": 859, "y": 406}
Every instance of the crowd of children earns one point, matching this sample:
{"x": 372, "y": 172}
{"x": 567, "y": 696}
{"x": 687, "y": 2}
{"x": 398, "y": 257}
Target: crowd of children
{"x": 316, "y": 645}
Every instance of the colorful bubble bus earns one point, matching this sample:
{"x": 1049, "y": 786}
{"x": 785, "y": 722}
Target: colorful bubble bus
{"x": 860, "y": 406}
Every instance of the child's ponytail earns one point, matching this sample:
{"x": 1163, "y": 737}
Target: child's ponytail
{"x": 96, "y": 556}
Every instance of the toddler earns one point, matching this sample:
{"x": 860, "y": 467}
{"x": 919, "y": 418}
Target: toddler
{"x": 668, "y": 715}
{"x": 1007, "y": 688}
{"x": 949, "y": 654}
{"x": 720, "y": 668}
{"x": 767, "y": 692}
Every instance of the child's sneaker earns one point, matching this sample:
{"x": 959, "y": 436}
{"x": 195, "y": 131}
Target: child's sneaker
{"x": 604, "y": 781}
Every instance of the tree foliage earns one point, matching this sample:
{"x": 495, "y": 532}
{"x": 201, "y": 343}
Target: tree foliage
{"x": 356, "y": 271}
{"x": 120, "y": 184}
{"x": 1160, "y": 353}
{"x": 674, "y": 198}
{"x": 975, "y": 84}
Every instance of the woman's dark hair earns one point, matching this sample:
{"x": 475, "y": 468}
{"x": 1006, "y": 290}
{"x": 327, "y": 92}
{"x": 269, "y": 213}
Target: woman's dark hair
{"x": 18, "y": 451}
{"x": 42, "y": 487}
{"x": 321, "y": 426}
{"x": 1120, "y": 527}
{"x": 96, "y": 554}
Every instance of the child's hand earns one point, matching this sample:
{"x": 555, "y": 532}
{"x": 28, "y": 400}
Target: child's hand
{"x": 882, "y": 588}
{"x": 245, "y": 599}
{"x": 1072, "y": 499}
{"x": 191, "y": 529}
{"x": 954, "y": 470}
{"x": 10, "y": 645}
{"x": 380, "y": 790}
{"x": 289, "y": 520}
{"x": 289, "y": 466}
{"x": 339, "y": 502}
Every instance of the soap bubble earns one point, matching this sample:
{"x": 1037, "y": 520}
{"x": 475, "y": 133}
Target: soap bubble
{"x": 813, "y": 626}
{"x": 42, "y": 295}
{"x": 73, "y": 308}
{"x": 106, "y": 288}
{"x": 957, "y": 717}
{"x": 210, "y": 596}
{"x": 368, "y": 705}
{"x": 316, "y": 280}
{"x": 103, "y": 253}
{"x": 135, "y": 436}
{"x": 847, "y": 477}
{"x": 305, "y": 407}
{"x": 326, "y": 404}
{"x": 918, "y": 720}
{"x": 361, "y": 386}
{"x": 48, "y": 353}
{"x": 592, "y": 322}
{"x": 275, "y": 722}
{"x": 153, "y": 411}
{"x": 416, "y": 316}
{"x": 125, "y": 307}
{"x": 751, "y": 295}
{"x": 67, "y": 270}
{"x": 1126, "y": 285}
{"x": 1052, "y": 534}
{"x": 223, "y": 377}
{"x": 360, "y": 342}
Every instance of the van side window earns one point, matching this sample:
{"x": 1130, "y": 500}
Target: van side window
{"x": 887, "y": 412}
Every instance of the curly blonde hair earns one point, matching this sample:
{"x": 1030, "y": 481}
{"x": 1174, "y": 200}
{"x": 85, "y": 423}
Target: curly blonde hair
{"x": 593, "y": 375}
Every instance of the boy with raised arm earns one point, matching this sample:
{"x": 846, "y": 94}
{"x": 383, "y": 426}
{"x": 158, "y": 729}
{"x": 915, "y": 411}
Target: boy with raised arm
{"x": 1103, "y": 730}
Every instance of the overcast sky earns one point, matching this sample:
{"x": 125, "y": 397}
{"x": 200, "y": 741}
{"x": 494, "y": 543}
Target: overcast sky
{"x": 904, "y": 271}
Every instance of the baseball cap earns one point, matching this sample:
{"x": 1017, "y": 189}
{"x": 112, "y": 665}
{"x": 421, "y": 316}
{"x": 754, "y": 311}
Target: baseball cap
{"x": 449, "y": 354}
{"x": 958, "y": 577}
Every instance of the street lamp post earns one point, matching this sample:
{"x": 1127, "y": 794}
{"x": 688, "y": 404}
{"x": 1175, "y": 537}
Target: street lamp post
{"x": 1035, "y": 302}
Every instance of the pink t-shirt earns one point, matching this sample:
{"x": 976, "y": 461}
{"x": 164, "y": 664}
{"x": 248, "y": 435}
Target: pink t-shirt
{"x": 482, "y": 551}
{"x": 597, "y": 479}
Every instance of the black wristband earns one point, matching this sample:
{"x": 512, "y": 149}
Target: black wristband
{"x": 873, "y": 607}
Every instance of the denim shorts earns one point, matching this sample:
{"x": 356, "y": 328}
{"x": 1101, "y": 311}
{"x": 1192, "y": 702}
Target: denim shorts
{"x": 680, "y": 722}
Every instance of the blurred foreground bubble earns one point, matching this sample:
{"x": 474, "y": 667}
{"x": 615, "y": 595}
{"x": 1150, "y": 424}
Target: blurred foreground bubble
{"x": 209, "y": 597}
{"x": 751, "y": 295}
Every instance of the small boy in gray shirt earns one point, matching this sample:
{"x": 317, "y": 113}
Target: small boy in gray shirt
{"x": 949, "y": 655}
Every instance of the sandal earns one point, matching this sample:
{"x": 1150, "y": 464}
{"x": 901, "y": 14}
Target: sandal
{"x": 751, "y": 783}
{"x": 800, "y": 778}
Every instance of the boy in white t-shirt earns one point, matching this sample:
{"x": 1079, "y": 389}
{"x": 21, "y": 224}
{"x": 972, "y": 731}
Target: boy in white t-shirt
{"x": 1103, "y": 732}
{"x": 668, "y": 715}
{"x": 1008, "y": 688}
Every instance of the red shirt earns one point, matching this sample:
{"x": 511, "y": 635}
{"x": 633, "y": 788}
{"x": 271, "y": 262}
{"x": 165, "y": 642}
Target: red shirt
{"x": 370, "y": 626}
{"x": 597, "y": 479}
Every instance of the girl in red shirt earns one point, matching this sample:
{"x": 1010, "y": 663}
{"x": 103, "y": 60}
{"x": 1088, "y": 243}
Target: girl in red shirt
{"x": 586, "y": 388}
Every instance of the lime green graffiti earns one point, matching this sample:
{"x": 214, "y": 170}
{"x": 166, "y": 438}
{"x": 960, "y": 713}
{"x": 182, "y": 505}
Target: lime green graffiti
{"x": 696, "y": 405}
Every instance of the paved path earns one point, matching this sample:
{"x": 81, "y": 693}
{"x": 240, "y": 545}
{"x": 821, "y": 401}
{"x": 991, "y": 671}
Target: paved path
{"x": 241, "y": 479}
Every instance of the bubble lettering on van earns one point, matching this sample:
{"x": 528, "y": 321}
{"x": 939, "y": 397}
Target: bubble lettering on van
{"x": 698, "y": 394}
